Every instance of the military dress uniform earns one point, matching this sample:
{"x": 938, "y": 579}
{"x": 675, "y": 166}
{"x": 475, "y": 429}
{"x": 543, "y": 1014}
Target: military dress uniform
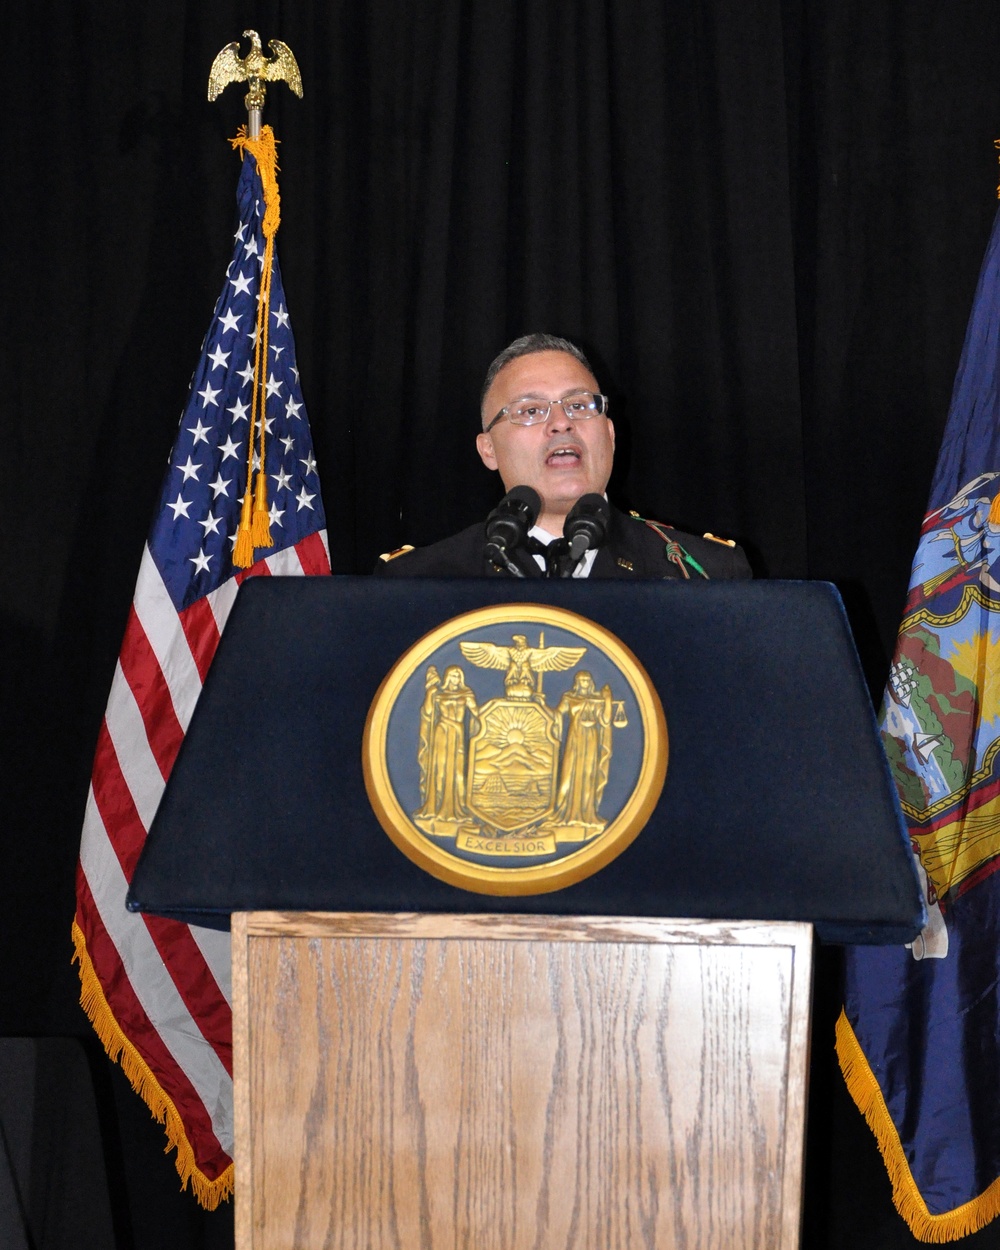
{"x": 634, "y": 549}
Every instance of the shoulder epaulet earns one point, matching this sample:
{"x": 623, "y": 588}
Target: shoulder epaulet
{"x": 726, "y": 542}
{"x": 400, "y": 551}
{"x": 675, "y": 553}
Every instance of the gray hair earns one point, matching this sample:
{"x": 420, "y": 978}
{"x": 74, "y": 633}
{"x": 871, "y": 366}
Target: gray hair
{"x": 528, "y": 345}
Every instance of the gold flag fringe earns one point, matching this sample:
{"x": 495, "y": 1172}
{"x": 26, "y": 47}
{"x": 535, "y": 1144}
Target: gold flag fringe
{"x": 120, "y": 1050}
{"x": 865, "y": 1090}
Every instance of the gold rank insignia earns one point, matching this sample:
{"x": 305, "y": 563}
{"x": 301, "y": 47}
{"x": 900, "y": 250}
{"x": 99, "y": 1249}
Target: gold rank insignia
{"x": 726, "y": 542}
{"x": 515, "y": 749}
{"x": 400, "y": 551}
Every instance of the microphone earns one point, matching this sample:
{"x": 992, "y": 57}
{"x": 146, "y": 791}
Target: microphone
{"x": 586, "y": 527}
{"x": 508, "y": 524}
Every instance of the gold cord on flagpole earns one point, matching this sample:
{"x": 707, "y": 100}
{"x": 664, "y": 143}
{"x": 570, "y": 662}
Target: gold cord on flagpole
{"x": 255, "y": 527}
{"x": 257, "y": 70}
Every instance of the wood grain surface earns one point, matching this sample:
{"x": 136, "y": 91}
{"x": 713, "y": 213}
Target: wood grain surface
{"x": 509, "y": 1082}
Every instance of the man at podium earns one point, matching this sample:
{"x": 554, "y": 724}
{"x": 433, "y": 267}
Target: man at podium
{"x": 547, "y": 432}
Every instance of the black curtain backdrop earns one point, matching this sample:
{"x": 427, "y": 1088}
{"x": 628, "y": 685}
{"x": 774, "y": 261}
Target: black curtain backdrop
{"x": 763, "y": 219}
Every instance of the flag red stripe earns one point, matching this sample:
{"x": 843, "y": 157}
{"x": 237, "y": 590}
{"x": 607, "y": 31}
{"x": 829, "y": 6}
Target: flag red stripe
{"x": 259, "y": 569}
{"x": 136, "y": 1025}
{"x": 126, "y": 832}
{"x": 198, "y": 622}
{"x": 152, "y": 694}
{"x": 312, "y": 555}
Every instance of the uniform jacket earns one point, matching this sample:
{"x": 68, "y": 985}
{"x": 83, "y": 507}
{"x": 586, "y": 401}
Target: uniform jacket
{"x": 632, "y": 550}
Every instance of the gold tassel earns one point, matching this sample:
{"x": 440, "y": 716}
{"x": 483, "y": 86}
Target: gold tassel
{"x": 261, "y": 517}
{"x": 243, "y": 551}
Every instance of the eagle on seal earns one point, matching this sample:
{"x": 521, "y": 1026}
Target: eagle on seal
{"x": 521, "y": 662}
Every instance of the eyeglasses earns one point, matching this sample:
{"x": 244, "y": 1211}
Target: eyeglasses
{"x": 577, "y": 407}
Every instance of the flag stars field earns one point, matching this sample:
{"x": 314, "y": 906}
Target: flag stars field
{"x": 222, "y": 387}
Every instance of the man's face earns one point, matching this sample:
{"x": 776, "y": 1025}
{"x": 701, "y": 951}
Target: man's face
{"x": 561, "y": 459}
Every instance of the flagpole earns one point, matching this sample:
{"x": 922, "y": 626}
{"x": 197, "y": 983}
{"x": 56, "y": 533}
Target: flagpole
{"x": 254, "y": 112}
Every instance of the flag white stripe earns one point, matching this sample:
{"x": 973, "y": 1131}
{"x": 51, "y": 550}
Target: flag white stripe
{"x": 221, "y": 601}
{"x": 158, "y": 618}
{"x": 150, "y": 981}
{"x": 127, "y": 731}
{"x": 285, "y": 563}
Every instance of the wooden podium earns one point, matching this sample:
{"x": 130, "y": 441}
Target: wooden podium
{"x": 509, "y": 1081}
{"x": 421, "y": 1066}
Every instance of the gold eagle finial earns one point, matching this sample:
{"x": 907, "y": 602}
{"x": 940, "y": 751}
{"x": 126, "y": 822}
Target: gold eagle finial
{"x": 255, "y": 68}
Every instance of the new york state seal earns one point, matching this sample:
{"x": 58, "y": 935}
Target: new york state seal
{"x": 515, "y": 749}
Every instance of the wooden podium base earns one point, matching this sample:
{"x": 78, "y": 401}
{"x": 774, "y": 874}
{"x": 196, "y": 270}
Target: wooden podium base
{"x": 518, "y": 1082}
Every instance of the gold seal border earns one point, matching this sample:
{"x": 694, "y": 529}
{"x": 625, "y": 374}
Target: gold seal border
{"x": 537, "y": 878}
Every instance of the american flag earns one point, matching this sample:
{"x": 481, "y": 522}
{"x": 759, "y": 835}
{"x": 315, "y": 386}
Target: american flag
{"x": 157, "y": 991}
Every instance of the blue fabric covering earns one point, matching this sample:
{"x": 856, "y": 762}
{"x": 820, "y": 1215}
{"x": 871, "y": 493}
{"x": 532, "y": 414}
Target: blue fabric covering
{"x": 777, "y": 803}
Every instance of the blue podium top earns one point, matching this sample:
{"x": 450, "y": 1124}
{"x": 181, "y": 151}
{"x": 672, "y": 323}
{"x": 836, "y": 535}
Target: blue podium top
{"x": 777, "y": 804}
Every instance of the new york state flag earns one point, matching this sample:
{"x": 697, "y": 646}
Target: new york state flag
{"x": 919, "y": 1037}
